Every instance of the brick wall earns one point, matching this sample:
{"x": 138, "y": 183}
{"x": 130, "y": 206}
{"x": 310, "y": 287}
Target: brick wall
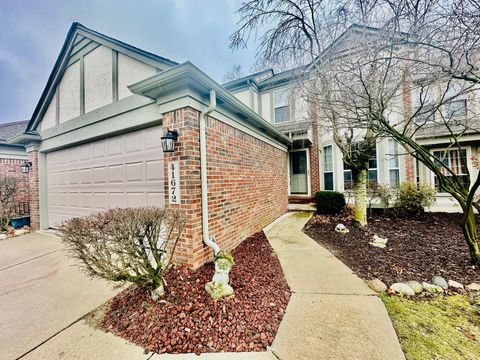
{"x": 407, "y": 111}
{"x": 11, "y": 167}
{"x": 247, "y": 183}
{"x": 34, "y": 191}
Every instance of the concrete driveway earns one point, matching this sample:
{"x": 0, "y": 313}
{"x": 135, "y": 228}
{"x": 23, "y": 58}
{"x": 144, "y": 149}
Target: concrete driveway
{"x": 42, "y": 292}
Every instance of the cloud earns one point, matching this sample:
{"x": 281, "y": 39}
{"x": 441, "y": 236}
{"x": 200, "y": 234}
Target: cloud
{"x": 33, "y": 32}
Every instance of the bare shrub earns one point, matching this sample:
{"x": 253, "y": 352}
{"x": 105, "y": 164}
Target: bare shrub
{"x": 133, "y": 245}
{"x": 8, "y": 199}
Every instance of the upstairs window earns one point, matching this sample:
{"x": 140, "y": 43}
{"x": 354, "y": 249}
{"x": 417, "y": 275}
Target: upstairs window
{"x": 426, "y": 113}
{"x": 281, "y": 106}
{"x": 456, "y": 108}
{"x": 455, "y": 161}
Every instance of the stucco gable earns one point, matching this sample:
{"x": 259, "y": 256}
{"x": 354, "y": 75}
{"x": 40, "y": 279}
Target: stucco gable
{"x": 82, "y": 80}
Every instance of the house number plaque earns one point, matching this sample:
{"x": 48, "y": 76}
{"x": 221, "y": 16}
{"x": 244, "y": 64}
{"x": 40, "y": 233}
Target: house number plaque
{"x": 174, "y": 182}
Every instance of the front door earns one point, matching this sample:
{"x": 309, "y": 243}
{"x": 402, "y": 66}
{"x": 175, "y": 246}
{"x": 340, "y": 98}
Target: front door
{"x": 298, "y": 173}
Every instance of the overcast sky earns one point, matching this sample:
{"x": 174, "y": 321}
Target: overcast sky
{"x": 33, "y": 32}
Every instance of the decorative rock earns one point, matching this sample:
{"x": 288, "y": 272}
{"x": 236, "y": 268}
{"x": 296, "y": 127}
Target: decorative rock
{"x": 402, "y": 289}
{"x": 416, "y": 286}
{"x": 379, "y": 242}
{"x": 340, "y": 228}
{"x": 432, "y": 288}
{"x": 473, "y": 287}
{"x": 440, "y": 281}
{"x": 455, "y": 285}
{"x": 377, "y": 285}
{"x": 3, "y": 236}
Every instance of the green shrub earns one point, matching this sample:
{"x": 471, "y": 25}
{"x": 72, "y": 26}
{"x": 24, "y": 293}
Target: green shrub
{"x": 412, "y": 199}
{"x": 329, "y": 202}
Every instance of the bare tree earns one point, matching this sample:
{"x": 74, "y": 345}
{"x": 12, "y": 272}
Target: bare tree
{"x": 298, "y": 32}
{"x": 235, "y": 73}
{"x": 133, "y": 245}
{"x": 405, "y": 84}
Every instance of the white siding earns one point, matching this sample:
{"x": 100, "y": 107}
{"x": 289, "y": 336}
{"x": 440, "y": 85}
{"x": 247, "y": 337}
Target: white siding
{"x": 266, "y": 107}
{"x": 131, "y": 71}
{"x": 69, "y": 92}
{"x": 243, "y": 96}
{"x": 98, "y": 78}
{"x": 49, "y": 119}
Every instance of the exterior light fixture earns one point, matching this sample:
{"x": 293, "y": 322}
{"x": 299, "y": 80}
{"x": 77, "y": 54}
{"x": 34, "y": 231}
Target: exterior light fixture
{"x": 26, "y": 167}
{"x": 168, "y": 140}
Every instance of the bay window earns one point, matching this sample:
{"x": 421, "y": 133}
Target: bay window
{"x": 393, "y": 164}
{"x": 328, "y": 168}
{"x": 455, "y": 160}
{"x": 372, "y": 177}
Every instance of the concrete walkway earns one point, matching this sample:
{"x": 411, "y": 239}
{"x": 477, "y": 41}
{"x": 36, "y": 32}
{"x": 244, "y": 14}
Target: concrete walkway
{"x": 332, "y": 314}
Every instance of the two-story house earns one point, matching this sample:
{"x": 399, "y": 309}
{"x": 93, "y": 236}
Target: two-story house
{"x": 315, "y": 162}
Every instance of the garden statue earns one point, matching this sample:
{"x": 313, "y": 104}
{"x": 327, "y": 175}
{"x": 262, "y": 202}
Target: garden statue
{"x": 219, "y": 286}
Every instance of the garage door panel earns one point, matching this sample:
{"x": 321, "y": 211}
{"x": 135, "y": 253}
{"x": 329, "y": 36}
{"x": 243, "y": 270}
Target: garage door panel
{"x": 125, "y": 170}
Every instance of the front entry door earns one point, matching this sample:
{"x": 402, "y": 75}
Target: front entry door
{"x": 298, "y": 172}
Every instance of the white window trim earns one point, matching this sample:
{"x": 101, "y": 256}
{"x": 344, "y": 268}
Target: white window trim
{"x": 390, "y": 156}
{"x": 290, "y": 105}
{"x": 468, "y": 154}
{"x": 309, "y": 183}
{"x": 330, "y": 171}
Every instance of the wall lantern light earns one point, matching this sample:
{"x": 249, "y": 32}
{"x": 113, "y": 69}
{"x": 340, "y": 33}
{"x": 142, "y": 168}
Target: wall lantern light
{"x": 168, "y": 140}
{"x": 26, "y": 167}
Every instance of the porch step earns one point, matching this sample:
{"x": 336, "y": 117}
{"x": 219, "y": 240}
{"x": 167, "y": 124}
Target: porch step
{"x": 302, "y": 207}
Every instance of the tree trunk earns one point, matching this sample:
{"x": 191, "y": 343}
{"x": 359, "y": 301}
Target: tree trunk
{"x": 360, "y": 197}
{"x": 469, "y": 228}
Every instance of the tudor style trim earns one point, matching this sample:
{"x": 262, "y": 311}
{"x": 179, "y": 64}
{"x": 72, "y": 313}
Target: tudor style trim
{"x": 86, "y": 40}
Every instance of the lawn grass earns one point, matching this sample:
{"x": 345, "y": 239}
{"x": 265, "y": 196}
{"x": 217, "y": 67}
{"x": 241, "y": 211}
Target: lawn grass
{"x": 447, "y": 327}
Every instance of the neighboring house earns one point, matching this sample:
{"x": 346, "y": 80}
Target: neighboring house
{"x": 12, "y": 157}
{"x": 94, "y": 141}
{"x": 315, "y": 162}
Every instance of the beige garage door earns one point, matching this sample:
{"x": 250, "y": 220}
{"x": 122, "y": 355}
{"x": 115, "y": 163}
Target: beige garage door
{"x": 120, "y": 171}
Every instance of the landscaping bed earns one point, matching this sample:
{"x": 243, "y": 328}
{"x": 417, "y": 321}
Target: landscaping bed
{"x": 417, "y": 249}
{"x": 187, "y": 320}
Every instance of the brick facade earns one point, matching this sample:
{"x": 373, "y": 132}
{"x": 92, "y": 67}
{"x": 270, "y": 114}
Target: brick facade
{"x": 247, "y": 183}
{"x": 34, "y": 191}
{"x": 11, "y": 167}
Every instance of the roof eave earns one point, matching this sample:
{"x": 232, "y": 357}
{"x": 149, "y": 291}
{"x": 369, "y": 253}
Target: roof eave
{"x": 24, "y": 139}
{"x": 186, "y": 74}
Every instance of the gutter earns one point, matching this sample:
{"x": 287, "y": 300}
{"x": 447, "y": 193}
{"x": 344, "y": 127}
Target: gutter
{"x": 203, "y": 172}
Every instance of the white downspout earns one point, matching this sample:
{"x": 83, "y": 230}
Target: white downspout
{"x": 203, "y": 171}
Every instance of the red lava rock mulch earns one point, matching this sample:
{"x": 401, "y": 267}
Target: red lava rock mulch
{"x": 190, "y": 321}
{"x": 417, "y": 249}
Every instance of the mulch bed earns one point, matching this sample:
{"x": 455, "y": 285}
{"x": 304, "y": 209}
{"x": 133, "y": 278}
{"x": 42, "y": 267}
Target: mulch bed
{"x": 417, "y": 249}
{"x": 190, "y": 321}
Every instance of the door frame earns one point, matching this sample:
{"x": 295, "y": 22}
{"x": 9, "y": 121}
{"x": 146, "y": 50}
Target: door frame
{"x": 309, "y": 190}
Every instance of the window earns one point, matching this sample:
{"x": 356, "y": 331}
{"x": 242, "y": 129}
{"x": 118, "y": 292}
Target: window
{"x": 426, "y": 113}
{"x": 455, "y": 161}
{"x": 327, "y": 168}
{"x": 372, "y": 171}
{"x": 456, "y": 108}
{"x": 393, "y": 164}
{"x": 281, "y": 106}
